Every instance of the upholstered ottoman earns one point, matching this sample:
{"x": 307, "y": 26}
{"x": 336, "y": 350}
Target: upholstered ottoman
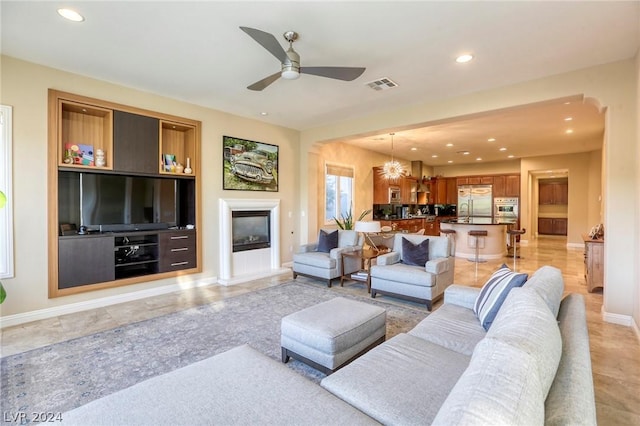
{"x": 330, "y": 334}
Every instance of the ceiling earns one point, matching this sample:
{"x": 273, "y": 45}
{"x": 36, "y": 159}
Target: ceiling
{"x": 195, "y": 52}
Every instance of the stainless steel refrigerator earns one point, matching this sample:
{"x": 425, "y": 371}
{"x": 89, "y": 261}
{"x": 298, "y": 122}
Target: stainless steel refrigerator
{"x": 475, "y": 201}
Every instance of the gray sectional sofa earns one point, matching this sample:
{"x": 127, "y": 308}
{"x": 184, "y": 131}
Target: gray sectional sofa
{"x": 532, "y": 367}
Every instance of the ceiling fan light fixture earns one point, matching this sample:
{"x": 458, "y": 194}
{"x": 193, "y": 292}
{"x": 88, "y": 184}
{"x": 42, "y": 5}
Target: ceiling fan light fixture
{"x": 290, "y": 74}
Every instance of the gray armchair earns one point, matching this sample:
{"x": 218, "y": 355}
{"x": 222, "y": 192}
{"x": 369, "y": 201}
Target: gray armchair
{"x": 423, "y": 284}
{"x": 327, "y": 265}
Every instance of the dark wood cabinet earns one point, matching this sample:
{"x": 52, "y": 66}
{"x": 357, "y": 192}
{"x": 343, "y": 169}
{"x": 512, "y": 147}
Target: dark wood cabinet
{"x": 135, "y": 143}
{"x": 552, "y": 226}
{"x": 555, "y": 193}
{"x": 499, "y": 186}
{"x": 177, "y": 250}
{"x": 85, "y": 260}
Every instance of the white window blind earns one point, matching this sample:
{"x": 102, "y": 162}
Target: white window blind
{"x": 6, "y": 218}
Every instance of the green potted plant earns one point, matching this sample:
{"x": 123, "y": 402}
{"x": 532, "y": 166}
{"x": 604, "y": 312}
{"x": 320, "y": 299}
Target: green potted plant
{"x": 347, "y": 222}
{"x": 3, "y": 293}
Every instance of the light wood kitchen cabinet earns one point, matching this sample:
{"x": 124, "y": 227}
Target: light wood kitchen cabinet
{"x": 499, "y": 186}
{"x": 380, "y": 187}
{"x": 409, "y": 190}
{"x": 441, "y": 191}
{"x": 512, "y": 186}
{"x": 593, "y": 263}
{"x": 452, "y": 191}
{"x": 552, "y": 226}
{"x": 553, "y": 193}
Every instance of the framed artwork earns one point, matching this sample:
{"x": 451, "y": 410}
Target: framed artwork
{"x": 249, "y": 165}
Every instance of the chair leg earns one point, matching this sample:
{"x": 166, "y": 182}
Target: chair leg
{"x": 295, "y": 275}
{"x": 329, "y": 283}
{"x": 373, "y": 294}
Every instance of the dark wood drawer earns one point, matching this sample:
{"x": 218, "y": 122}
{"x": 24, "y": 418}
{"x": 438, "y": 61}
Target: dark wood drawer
{"x": 177, "y": 250}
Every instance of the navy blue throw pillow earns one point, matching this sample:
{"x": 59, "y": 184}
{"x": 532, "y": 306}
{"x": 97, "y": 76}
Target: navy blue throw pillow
{"x": 415, "y": 254}
{"x": 327, "y": 241}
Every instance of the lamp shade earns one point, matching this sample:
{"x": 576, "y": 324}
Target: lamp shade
{"x": 366, "y": 226}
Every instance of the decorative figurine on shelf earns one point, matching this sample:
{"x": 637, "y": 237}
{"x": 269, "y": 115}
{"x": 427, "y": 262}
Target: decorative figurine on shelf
{"x": 100, "y": 161}
{"x": 179, "y": 168}
{"x": 187, "y": 169}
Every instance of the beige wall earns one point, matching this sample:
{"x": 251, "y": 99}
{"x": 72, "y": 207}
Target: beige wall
{"x": 613, "y": 86}
{"x": 636, "y": 263}
{"x": 502, "y": 167}
{"x": 24, "y": 86}
{"x": 580, "y": 167}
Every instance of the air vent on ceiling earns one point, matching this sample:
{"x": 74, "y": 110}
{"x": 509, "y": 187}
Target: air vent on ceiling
{"x": 382, "y": 84}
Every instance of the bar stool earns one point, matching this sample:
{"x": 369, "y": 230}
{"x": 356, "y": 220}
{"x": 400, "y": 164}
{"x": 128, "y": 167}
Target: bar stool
{"x": 451, "y": 235}
{"x": 477, "y": 234}
{"x": 513, "y": 237}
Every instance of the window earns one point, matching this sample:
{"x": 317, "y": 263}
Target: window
{"x": 338, "y": 184}
{"x": 6, "y": 221}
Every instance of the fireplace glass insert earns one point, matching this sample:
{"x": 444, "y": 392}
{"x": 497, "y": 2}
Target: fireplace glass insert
{"x": 251, "y": 230}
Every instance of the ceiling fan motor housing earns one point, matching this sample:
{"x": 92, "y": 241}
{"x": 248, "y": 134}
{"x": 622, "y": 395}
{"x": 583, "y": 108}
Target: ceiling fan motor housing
{"x": 291, "y": 67}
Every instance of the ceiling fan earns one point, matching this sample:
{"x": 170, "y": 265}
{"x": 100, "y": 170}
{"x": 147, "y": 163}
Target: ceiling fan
{"x": 290, "y": 61}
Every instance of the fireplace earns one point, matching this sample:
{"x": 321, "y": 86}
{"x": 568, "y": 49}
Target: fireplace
{"x": 250, "y": 230}
{"x": 249, "y": 240}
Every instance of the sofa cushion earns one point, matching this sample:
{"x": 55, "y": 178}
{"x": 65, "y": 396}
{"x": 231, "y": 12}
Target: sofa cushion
{"x": 415, "y": 254}
{"x": 438, "y": 246}
{"x": 549, "y": 284}
{"x": 403, "y": 273}
{"x": 403, "y": 381}
{"x": 240, "y": 386}
{"x": 494, "y": 292}
{"x": 317, "y": 259}
{"x": 500, "y": 387}
{"x": 571, "y": 399}
{"x": 526, "y": 323}
{"x": 453, "y": 327}
{"x": 327, "y": 240}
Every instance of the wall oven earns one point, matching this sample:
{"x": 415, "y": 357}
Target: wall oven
{"x": 505, "y": 208}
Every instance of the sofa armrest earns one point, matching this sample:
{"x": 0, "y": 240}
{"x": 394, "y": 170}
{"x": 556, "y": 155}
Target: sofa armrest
{"x": 388, "y": 258}
{"x": 306, "y": 248}
{"x": 461, "y": 295}
{"x": 335, "y": 253}
{"x": 437, "y": 266}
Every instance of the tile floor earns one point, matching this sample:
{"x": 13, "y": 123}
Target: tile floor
{"x": 615, "y": 349}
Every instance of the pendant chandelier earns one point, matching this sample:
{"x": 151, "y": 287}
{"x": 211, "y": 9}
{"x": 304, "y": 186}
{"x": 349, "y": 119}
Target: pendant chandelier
{"x": 392, "y": 169}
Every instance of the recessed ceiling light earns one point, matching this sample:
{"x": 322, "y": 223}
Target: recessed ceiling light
{"x": 510, "y": 156}
{"x": 491, "y": 140}
{"x": 71, "y": 15}
{"x": 414, "y": 149}
{"x": 569, "y": 131}
{"x": 503, "y": 149}
{"x": 479, "y": 159}
{"x": 568, "y": 118}
{"x": 463, "y": 152}
{"x": 450, "y": 161}
{"x": 449, "y": 144}
{"x": 434, "y": 156}
{"x": 264, "y": 113}
{"x": 464, "y": 58}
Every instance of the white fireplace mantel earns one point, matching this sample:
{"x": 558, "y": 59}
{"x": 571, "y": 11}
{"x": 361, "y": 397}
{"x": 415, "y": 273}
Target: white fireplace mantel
{"x": 248, "y": 265}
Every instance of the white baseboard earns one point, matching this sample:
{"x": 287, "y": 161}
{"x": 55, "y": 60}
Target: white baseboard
{"x": 40, "y": 314}
{"x": 626, "y": 320}
{"x": 636, "y": 328}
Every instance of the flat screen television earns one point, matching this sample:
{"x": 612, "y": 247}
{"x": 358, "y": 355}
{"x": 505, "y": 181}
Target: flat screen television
{"x": 115, "y": 202}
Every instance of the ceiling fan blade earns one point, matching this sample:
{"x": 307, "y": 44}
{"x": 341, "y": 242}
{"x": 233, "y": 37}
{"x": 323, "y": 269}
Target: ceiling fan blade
{"x": 268, "y": 41}
{"x": 339, "y": 73}
{"x": 259, "y": 85}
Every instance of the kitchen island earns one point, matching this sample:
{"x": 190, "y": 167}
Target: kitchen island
{"x": 493, "y": 246}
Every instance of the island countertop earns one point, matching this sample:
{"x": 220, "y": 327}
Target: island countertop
{"x": 492, "y": 246}
{"x": 479, "y": 221}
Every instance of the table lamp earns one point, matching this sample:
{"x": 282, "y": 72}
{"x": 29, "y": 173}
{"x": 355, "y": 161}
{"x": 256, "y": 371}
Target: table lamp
{"x": 366, "y": 228}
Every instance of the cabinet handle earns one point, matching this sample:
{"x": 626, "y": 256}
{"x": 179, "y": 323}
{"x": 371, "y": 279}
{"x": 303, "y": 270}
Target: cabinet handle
{"x": 180, "y": 249}
{"x": 180, "y": 237}
{"x": 179, "y": 263}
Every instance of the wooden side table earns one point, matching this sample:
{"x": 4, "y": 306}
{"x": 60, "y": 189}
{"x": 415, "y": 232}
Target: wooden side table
{"x": 364, "y": 275}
